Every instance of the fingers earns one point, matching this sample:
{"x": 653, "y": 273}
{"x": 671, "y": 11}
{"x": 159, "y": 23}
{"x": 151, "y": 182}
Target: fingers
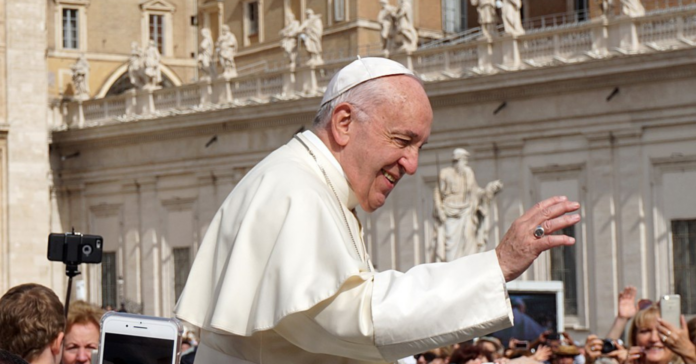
{"x": 549, "y": 218}
{"x": 552, "y": 241}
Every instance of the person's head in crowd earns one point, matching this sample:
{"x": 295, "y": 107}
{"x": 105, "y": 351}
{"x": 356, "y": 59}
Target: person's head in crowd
{"x": 565, "y": 354}
{"x": 644, "y": 333}
{"x": 32, "y": 323}
{"x": 491, "y": 346}
{"x": 7, "y": 357}
{"x": 435, "y": 356}
{"x": 374, "y": 117}
{"x": 186, "y": 344}
{"x": 82, "y": 332}
{"x": 518, "y": 303}
{"x": 472, "y": 354}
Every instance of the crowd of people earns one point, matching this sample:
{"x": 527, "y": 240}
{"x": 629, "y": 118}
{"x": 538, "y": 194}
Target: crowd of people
{"x": 34, "y": 329}
{"x": 648, "y": 340}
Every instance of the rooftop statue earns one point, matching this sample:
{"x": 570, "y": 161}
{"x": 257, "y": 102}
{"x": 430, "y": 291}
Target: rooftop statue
{"x": 632, "y": 8}
{"x": 80, "y": 78}
{"x": 512, "y": 20}
{"x": 461, "y": 209}
{"x": 310, "y": 33}
{"x": 136, "y": 68}
{"x": 206, "y": 66}
{"x": 486, "y": 16}
{"x": 153, "y": 69}
{"x": 226, "y": 50}
{"x": 387, "y": 21}
{"x": 289, "y": 41}
{"x": 406, "y": 34}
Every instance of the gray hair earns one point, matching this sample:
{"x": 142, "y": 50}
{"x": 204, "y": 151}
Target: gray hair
{"x": 364, "y": 96}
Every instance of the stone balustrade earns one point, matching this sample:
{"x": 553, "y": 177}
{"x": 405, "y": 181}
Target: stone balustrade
{"x": 579, "y": 42}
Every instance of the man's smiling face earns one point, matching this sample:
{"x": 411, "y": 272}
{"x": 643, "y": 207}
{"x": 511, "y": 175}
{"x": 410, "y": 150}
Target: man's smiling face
{"x": 386, "y": 139}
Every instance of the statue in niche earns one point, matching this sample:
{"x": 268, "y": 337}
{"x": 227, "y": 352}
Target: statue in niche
{"x": 80, "y": 77}
{"x": 486, "y": 16}
{"x": 406, "y": 34}
{"x": 310, "y": 33}
{"x": 461, "y": 209}
{"x": 632, "y": 8}
{"x": 136, "y": 72}
{"x": 153, "y": 69}
{"x": 206, "y": 66}
{"x": 512, "y": 20}
{"x": 386, "y": 19}
{"x": 289, "y": 34}
{"x": 227, "y": 49}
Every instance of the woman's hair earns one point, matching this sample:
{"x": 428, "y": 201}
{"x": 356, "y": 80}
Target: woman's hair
{"x": 83, "y": 313}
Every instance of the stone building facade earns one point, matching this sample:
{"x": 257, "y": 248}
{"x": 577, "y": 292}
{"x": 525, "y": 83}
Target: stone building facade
{"x": 598, "y": 109}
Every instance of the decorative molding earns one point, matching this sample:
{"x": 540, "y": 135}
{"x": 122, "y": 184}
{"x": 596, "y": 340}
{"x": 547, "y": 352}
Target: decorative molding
{"x": 106, "y": 209}
{"x": 157, "y": 5}
{"x": 179, "y": 204}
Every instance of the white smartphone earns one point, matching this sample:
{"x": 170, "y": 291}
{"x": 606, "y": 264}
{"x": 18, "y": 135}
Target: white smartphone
{"x": 136, "y": 339}
{"x": 670, "y": 309}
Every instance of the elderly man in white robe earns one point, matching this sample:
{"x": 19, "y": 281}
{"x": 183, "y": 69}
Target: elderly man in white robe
{"x": 283, "y": 275}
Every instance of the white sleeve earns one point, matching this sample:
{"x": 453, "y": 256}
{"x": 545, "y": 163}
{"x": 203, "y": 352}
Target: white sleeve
{"x": 391, "y": 315}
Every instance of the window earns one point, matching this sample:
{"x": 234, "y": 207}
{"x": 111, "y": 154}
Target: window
{"x": 157, "y": 31}
{"x": 339, "y": 10}
{"x": 581, "y": 11}
{"x": 182, "y": 265}
{"x": 253, "y": 18}
{"x": 684, "y": 253}
{"x": 563, "y": 268}
{"x": 463, "y": 16}
{"x": 109, "y": 288}
{"x": 70, "y": 29}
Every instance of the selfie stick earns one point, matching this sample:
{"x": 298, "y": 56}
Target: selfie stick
{"x": 71, "y": 270}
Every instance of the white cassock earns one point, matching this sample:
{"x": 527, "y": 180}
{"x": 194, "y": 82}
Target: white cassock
{"x": 278, "y": 278}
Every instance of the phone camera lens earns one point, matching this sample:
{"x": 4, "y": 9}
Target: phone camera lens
{"x": 126, "y": 325}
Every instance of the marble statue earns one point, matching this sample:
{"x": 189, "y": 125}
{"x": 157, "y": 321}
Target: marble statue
{"x": 80, "y": 77}
{"x": 486, "y": 16}
{"x": 512, "y": 20}
{"x": 135, "y": 66}
{"x": 206, "y": 66}
{"x": 607, "y": 7}
{"x": 461, "y": 209}
{"x": 226, "y": 50}
{"x": 289, "y": 41}
{"x": 153, "y": 69}
{"x": 407, "y": 36}
{"x": 632, "y": 8}
{"x": 310, "y": 33}
{"x": 387, "y": 22}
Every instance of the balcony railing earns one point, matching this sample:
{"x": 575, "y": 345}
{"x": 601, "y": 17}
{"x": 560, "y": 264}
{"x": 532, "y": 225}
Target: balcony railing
{"x": 272, "y": 80}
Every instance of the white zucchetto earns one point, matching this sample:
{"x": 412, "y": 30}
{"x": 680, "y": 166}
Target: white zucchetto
{"x": 359, "y": 71}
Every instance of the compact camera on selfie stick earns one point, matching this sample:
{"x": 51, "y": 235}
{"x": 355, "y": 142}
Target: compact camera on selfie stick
{"x": 74, "y": 249}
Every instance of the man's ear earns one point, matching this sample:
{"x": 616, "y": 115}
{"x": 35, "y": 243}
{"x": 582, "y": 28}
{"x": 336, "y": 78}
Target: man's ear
{"x": 341, "y": 123}
{"x": 57, "y": 344}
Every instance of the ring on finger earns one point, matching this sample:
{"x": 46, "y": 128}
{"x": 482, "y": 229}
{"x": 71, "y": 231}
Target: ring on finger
{"x": 669, "y": 333}
{"x": 539, "y": 232}
{"x": 664, "y": 337}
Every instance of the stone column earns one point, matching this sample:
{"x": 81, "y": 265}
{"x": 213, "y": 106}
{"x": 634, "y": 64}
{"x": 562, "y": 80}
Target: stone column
{"x": 511, "y": 171}
{"x": 150, "y": 266}
{"x": 132, "y": 275}
{"x": 207, "y": 205}
{"x": 27, "y": 158}
{"x": 485, "y": 54}
{"x": 632, "y": 239}
{"x": 601, "y": 230}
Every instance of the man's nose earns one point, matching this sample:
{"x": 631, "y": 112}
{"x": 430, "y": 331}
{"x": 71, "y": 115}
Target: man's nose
{"x": 409, "y": 161}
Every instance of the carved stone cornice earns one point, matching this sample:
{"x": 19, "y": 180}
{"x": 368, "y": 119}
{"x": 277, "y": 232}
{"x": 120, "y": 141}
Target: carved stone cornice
{"x": 552, "y": 80}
